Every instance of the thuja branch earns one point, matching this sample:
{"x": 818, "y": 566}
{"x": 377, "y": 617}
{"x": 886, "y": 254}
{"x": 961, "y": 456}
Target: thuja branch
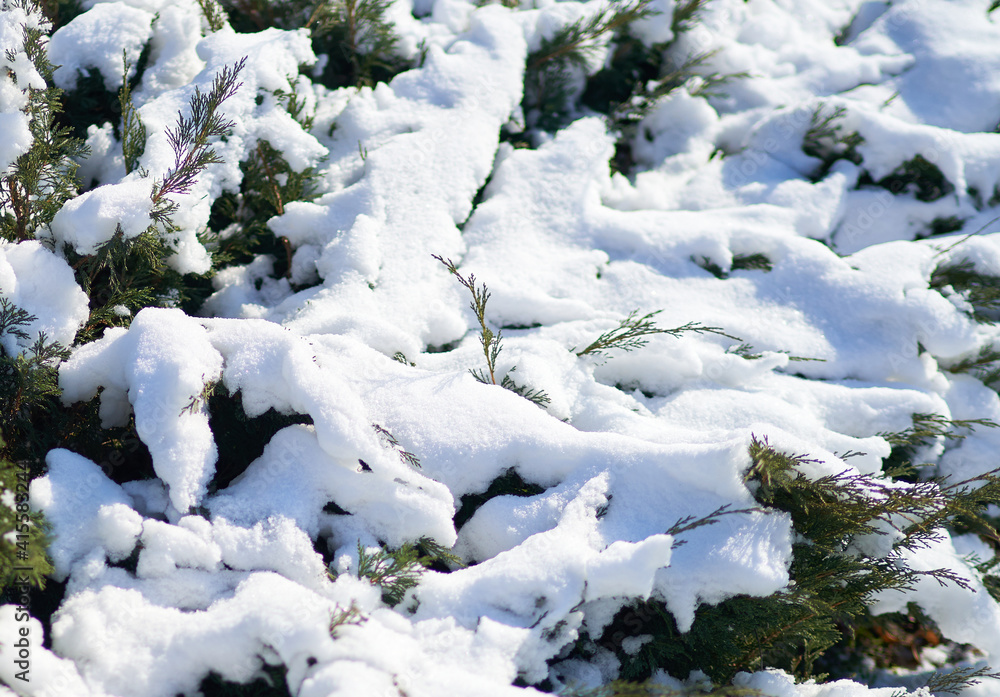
{"x": 359, "y": 40}
{"x": 214, "y": 15}
{"x": 489, "y": 340}
{"x": 689, "y": 523}
{"x": 37, "y": 184}
{"x": 190, "y": 139}
{"x": 630, "y": 333}
{"x": 271, "y": 179}
{"x": 571, "y": 41}
{"x": 133, "y": 129}
{"x": 397, "y": 571}
{"x": 352, "y": 34}
{"x": 954, "y": 681}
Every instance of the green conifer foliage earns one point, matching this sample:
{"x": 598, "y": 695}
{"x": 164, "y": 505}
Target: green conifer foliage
{"x": 549, "y": 71}
{"x": 942, "y": 226}
{"x": 741, "y": 262}
{"x": 25, "y": 540}
{"x": 835, "y": 570}
{"x": 90, "y": 103}
{"x": 984, "y": 365}
{"x": 29, "y": 386}
{"x": 491, "y": 341}
{"x": 634, "y": 80}
{"x": 60, "y": 12}
{"x": 630, "y": 332}
{"x": 356, "y": 42}
{"x": 125, "y": 275}
{"x": 509, "y": 483}
{"x": 272, "y": 683}
{"x": 240, "y": 438}
{"x": 238, "y": 230}
{"x": 133, "y": 131}
{"x": 390, "y": 442}
{"x": 121, "y": 278}
{"x": 191, "y": 141}
{"x": 214, "y": 14}
{"x": 980, "y": 290}
{"x": 826, "y": 141}
{"x": 397, "y": 571}
{"x": 33, "y": 420}
{"x": 921, "y": 177}
{"x": 238, "y": 227}
{"x": 926, "y": 429}
{"x": 36, "y": 186}
{"x": 346, "y": 617}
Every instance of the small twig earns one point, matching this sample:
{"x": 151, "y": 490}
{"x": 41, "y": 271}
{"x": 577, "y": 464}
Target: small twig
{"x": 971, "y": 234}
{"x": 288, "y": 254}
{"x": 689, "y": 523}
{"x": 629, "y": 333}
{"x": 314, "y": 15}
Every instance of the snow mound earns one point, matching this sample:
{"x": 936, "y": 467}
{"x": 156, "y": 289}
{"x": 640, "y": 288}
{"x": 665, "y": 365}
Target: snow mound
{"x": 37, "y": 281}
{"x": 805, "y": 291}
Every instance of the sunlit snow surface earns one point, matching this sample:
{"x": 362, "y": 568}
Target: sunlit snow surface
{"x": 566, "y": 248}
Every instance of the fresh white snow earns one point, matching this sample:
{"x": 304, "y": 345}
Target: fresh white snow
{"x": 567, "y": 249}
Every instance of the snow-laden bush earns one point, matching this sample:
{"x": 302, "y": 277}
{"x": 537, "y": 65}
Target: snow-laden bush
{"x": 430, "y": 348}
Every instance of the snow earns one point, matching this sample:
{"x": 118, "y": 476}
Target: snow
{"x": 91, "y": 220}
{"x": 42, "y": 284}
{"x": 17, "y": 76}
{"x": 96, "y": 40}
{"x": 775, "y": 683}
{"x": 51, "y": 675}
{"x": 630, "y": 443}
{"x": 160, "y": 367}
{"x": 89, "y": 510}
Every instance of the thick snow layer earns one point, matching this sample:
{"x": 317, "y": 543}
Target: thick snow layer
{"x": 42, "y": 284}
{"x": 50, "y": 675}
{"x": 158, "y": 369}
{"x": 17, "y": 75}
{"x": 96, "y": 40}
{"x": 89, "y": 510}
{"x": 837, "y": 342}
{"x": 430, "y": 141}
{"x": 92, "y": 219}
{"x": 775, "y": 683}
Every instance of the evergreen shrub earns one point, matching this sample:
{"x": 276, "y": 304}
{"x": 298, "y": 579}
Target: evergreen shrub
{"x": 852, "y": 531}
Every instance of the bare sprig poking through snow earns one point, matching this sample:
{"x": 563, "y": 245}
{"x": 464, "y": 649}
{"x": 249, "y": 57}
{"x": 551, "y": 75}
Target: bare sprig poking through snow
{"x": 629, "y": 333}
{"x": 490, "y": 341}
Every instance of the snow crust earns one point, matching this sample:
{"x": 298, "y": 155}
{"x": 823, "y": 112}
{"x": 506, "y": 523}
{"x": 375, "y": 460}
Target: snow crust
{"x": 629, "y": 445}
